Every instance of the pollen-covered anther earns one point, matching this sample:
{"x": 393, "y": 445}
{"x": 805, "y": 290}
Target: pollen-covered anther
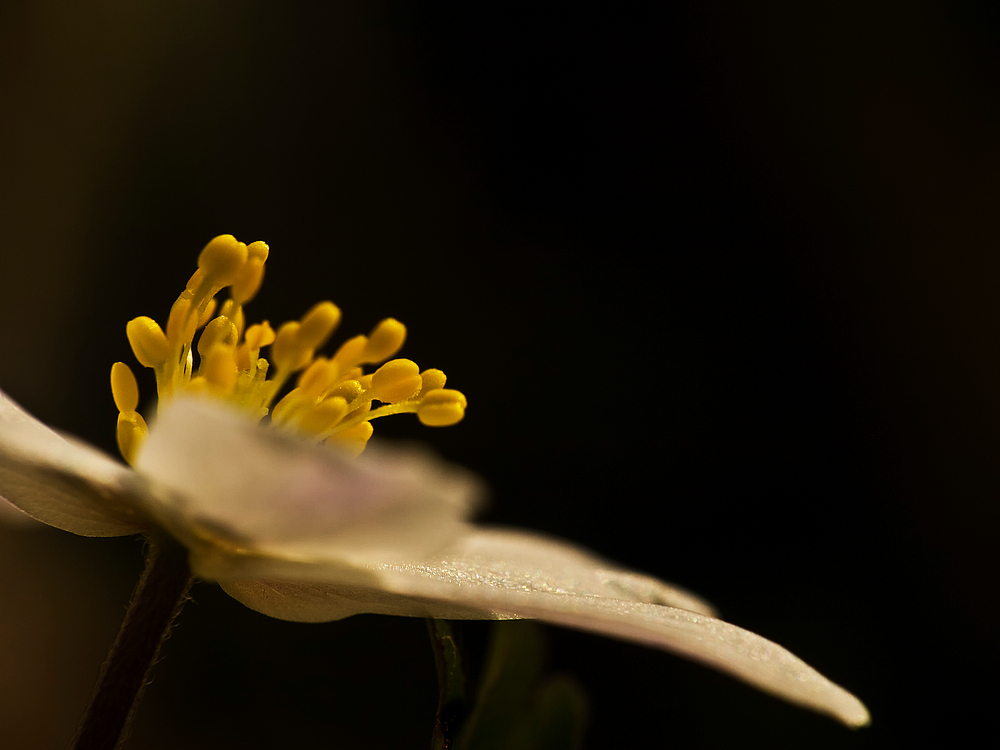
{"x": 442, "y": 407}
{"x": 354, "y": 439}
{"x": 219, "y": 369}
{"x": 324, "y": 415}
{"x": 287, "y": 407}
{"x": 317, "y": 378}
{"x": 219, "y": 331}
{"x": 349, "y": 390}
{"x": 432, "y": 380}
{"x": 317, "y": 325}
{"x": 232, "y": 310}
{"x": 350, "y": 353}
{"x": 132, "y": 430}
{"x": 249, "y": 279}
{"x": 287, "y": 353}
{"x": 259, "y": 335}
{"x": 396, "y": 380}
{"x": 124, "y": 389}
{"x": 221, "y": 261}
{"x": 149, "y": 343}
{"x": 385, "y": 340}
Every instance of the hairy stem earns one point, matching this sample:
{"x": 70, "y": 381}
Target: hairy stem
{"x": 157, "y": 600}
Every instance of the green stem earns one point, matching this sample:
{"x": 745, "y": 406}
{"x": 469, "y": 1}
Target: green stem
{"x": 157, "y": 600}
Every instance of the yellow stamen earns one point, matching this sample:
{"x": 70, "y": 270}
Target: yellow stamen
{"x": 149, "y": 344}
{"x": 222, "y": 260}
{"x": 316, "y": 379}
{"x": 288, "y": 356}
{"x": 441, "y": 407}
{"x": 219, "y": 331}
{"x": 317, "y": 325}
{"x": 354, "y": 440}
{"x": 432, "y": 380}
{"x": 207, "y": 314}
{"x": 396, "y": 380}
{"x": 132, "y": 430}
{"x": 124, "y": 389}
{"x": 385, "y": 340}
{"x": 323, "y": 416}
{"x": 251, "y": 275}
{"x": 218, "y": 367}
{"x": 260, "y": 335}
{"x": 333, "y": 399}
{"x": 181, "y": 325}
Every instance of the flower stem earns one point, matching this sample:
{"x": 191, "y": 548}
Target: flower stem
{"x": 157, "y": 600}
{"x": 451, "y": 684}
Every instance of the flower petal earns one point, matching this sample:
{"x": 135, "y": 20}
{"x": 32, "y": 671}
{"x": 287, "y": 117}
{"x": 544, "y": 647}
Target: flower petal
{"x": 262, "y": 493}
{"x": 503, "y": 574}
{"x": 11, "y": 515}
{"x": 62, "y": 482}
{"x": 492, "y": 558}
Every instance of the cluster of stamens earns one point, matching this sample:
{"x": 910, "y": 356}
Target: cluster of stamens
{"x": 333, "y": 398}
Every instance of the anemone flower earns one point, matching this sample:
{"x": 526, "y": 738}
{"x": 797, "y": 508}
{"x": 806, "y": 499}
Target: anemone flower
{"x": 276, "y": 504}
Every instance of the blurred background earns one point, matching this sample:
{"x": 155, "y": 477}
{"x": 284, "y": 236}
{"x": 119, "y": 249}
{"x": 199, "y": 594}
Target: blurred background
{"x": 719, "y": 280}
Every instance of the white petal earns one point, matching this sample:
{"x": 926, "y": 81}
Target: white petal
{"x": 507, "y": 574}
{"x": 490, "y": 558}
{"x": 259, "y": 492}
{"x": 11, "y": 515}
{"x": 62, "y": 482}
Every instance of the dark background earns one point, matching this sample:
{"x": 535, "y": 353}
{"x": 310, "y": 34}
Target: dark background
{"x": 719, "y": 281}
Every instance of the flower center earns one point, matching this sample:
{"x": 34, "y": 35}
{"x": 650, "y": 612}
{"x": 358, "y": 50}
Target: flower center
{"x": 333, "y": 401}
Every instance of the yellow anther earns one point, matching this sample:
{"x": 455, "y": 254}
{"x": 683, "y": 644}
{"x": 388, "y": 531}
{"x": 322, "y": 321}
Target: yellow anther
{"x": 243, "y": 358}
{"x": 354, "y": 439}
{"x": 286, "y": 352}
{"x": 132, "y": 431}
{"x": 349, "y": 390}
{"x": 282, "y": 411}
{"x": 350, "y": 352}
{"x": 385, "y": 340}
{"x": 358, "y": 412}
{"x": 396, "y": 380}
{"x": 317, "y": 325}
{"x": 124, "y": 389}
{"x": 232, "y": 310}
{"x": 251, "y": 275}
{"x": 148, "y": 341}
{"x": 441, "y": 407}
{"x": 181, "y": 325}
{"x": 258, "y": 251}
{"x": 221, "y": 260}
{"x": 334, "y": 399}
{"x": 323, "y": 416}
{"x": 218, "y": 368}
{"x": 318, "y": 377}
{"x": 219, "y": 331}
{"x": 259, "y": 335}
{"x": 433, "y": 379}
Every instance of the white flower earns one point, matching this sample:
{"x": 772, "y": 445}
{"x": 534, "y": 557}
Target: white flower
{"x": 300, "y": 532}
